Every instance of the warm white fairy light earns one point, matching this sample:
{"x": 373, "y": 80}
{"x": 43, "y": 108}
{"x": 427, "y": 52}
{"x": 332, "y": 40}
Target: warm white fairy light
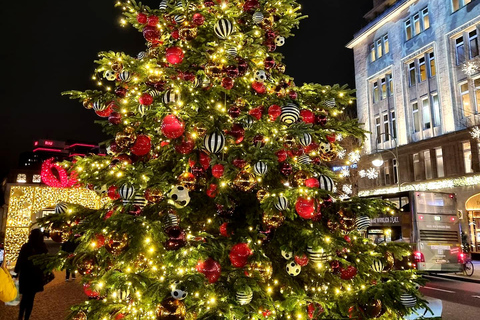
{"x": 354, "y": 156}
{"x": 475, "y": 132}
{"x": 372, "y": 173}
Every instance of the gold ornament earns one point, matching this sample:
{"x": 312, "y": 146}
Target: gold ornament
{"x": 117, "y": 66}
{"x": 299, "y": 178}
{"x": 154, "y": 195}
{"x": 240, "y": 102}
{"x": 272, "y": 219}
{"x": 116, "y": 243}
{"x": 289, "y": 141}
{"x": 156, "y": 75}
{"x": 244, "y": 181}
{"x": 328, "y": 156}
{"x": 86, "y": 267}
{"x": 188, "y": 180}
{"x": 262, "y": 194}
{"x": 267, "y": 22}
{"x": 125, "y": 139}
{"x": 390, "y": 261}
{"x": 213, "y": 70}
{"x": 152, "y": 52}
{"x": 58, "y": 236}
{"x": 87, "y": 104}
{"x": 280, "y": 67}
{"x": 80, "y": 316}
{"x": 188, "y": 32}
{"x": 263, "y": 269}
{"x": 171, "y": 309}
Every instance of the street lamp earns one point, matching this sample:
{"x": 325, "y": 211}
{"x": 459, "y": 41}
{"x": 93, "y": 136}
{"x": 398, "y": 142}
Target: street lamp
{"x": 378, "y": 159}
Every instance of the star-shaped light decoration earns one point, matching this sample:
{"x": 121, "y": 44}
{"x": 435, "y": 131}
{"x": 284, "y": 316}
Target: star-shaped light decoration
{"x": 362, "y": 173}
{"x": 341, "y": 154}
{"x": 345, "y": 172}
{"x": 347, "y": 188}
{"x": 475, "y": 132}
{"x": 354, "y": 156}
{"x": 470, "y": 68}
{"x": 372, "y": 173}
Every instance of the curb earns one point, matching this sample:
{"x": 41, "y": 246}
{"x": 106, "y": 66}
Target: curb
{"x": 452, "y": 277}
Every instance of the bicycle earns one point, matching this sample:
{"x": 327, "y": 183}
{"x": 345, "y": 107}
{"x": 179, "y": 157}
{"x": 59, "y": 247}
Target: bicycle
{"x": 468, "y": 268}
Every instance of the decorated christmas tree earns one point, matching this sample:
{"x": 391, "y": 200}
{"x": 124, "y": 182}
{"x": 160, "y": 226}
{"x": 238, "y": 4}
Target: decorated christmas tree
{"x": 218, "y": 197}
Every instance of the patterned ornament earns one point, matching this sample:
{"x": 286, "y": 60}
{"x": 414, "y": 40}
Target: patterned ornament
{"x": 377, "y": 266}
{"x": 325, "y": 147}
{"x": 260, "y": 76}
{"x": 126, "y": 192}
{"x": 244, "y": 296}
{"x": 154, "y": 92}
{"x": 61, "y": 207}
{"x": 244, "y": 181}
{"x": 281, "y": 203}
{"x": 141, "y": 55}
{"x": 214, "y": 142}
{"x": 192, "y": 7}
{"x": 257, "y": 17}
{"x": 326, "y": 183}
{"x": 179, "y": 196}
{"x": 408, "y": 300}
{"x": 163, "y": 5}
{"x": 287, "y": 255}
{"x": 293, "y": 268}
{"x": 171, "y": 96}
{"x": 142, "y": 109}
{"x": 139, "y": 200}
{"x": 223, "y": 28}
{"x": 125, "y": 76}
{"x": 317, "y": 255}
{"x": 290, "y": 113}
{"x": 279, "y": 41}
{"x": 179, "y": 4}
{"x": 304, "y": 159}
{"x": 260, "y": 168}
{"x": 110, "y": 75}
{"x": 248, "y": 122}
{"x": 330, "y": 103}
{"x": 362, "y": 223}
{"x": 99, "y": 106}
{"x": 179, "y": 18}
{"x": 232, "y": 52}
{"x": 179, "y": 291}
{"x": 305, "y": 139}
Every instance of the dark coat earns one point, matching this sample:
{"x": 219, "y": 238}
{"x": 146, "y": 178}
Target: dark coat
{"x": 31, "y": 276}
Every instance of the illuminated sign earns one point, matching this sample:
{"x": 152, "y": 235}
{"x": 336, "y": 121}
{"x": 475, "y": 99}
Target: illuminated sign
{"x": 48, "y": 143}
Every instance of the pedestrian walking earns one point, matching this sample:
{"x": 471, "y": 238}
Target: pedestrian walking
{"x": 69, "y": 246}
{"x": 31, "y": 277}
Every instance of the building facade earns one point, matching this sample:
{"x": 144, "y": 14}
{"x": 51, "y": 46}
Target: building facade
{"x": 418, "y": 93}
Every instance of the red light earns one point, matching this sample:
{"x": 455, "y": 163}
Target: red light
{"x": 451, "y": 196}
{"x": 46, "y": 149}
{"x": 35, "y": 143}
{"x": 461, "y": 258}
{"x": 48, "y": 143}
{"x": 420, "y": 217}
{"x": 452, "y": 219}
{"x": 418, "y": 256}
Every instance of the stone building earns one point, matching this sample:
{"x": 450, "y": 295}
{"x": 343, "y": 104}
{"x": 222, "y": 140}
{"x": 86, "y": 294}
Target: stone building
{"x": 418, "y": 93}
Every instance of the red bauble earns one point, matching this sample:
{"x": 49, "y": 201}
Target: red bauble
{"x": 259, "y": 87}
{"x": 305, "y": 207}
{"x": 151, "y": 34}
{"x": 234, "y": 111}
{"x": 120, "y": 92}
{"x": 224, "y": 230}
{"x": 212, "y": 190}
{"x": 239, "y": 163}
{"x": 232, "y": 71}
{"x": 301, "y": 260}
{"x": 286, "y": 169}
{"x": 112, "y": 193}
{"x": 274, "y": 112}
{"x": 204, "y": 160}
{"x": 321, "y": 119}
{"x": 242, "y": 66}
{"x": 174, "y": 55}
{"x": 119, "y": 316}
{"x": 142, "y": 18}
{"x": 142, "y": 145}
{"x": 152, "y": 21}
{"x": 237, "y": 132}
{"x": 105, "y": 112}
{"x": 307, "y": 116}
{"x": 109, "y": 214}
{"x": 198, "y": 19}
{"x": 172, "y": 127}
{"x": 198, "y": 171}
{"x": 269, "y": 63}
{"x": 217, "y": 170}
{"x": 177, "y": 238}
{"x": 250, "y": 5}
{"x": 175, "y": 34}
{"x": 281, "y": 155}
{"x": 210, "y": 268}
{"x": 99, "y": 240}
{"x": 91, "y": 293}
{"x": 349, "y": 273}
{"x": 271, "y": 46}
{"x": 311, "y": 147}
{"x": 347, "y": 238}
{"x": 145, "y": 99}
{"x": 256, "y": 112}
{"x": 227, "y": 83}
{"x": 293, "y": 95}
{"x": 331, "y": 137}
{"x": 115, "y": 118}
{"x": 312, "y": 183}
{"x": 314, "y": 310}
{"x": 239, "y": 255}
{"x": 186, "y": 146}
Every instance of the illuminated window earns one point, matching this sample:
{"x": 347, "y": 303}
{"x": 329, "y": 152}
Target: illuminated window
{"x": 413, "y": 74}
{"x": 460, "y": 50}
{"x": 433, "y": 70}
{"x": 37, "y": 178}
{"x": 390, "y": 84}
{"x": 439, "y": 157}
{"x": 384, "y": 88}
{"x": 426, "y": 113}
{"x": 372, "y": 52}
{"x": 473, "y": 43}
{"x": 386, "y": 127}
{"x": 457, "y": 4}
{"x": 467, "y": 156}
{"x": 465, "y": 96}
{"x": 386, "y": 45}
{"x": 423, "y": 69}
{"x": 379, "y": 48}
{"x": 436, "y": 110}
{"x": 428, "y": 164}
{"x": 416, "y": 117}
{"x": 395, "y": 172}
{"x": 425, "y": 19}
{"x": 21, "y": 178}
{"x": 476, "y": 82}
{"x": 408, "y": 29}
{"x": 416, "y": 24}
{"x": 376, "y": 94}
{"x": 378, "y": 130}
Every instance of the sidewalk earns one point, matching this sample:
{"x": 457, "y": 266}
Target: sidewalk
{"x": 460, "y": 276}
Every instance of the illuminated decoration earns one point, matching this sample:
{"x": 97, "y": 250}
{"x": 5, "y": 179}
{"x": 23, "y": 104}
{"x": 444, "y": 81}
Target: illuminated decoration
{"x": 339, "y": 137}
{"x": 362, "y": 173}
{"x": 354, "y": 156}
{"x": 26, "y": 201}
{"x": 341, "y": 154}
{"x": 21, "y": 178}
{"x": 345, "y": 172}
{"x": 37, "y": 178}
{"x": 347, "y": 188}
{"x": 470, "y": 67}
{"x": 49, "y": 178}
{"x": 475, "y": 133}
{"x": 372, "y": 173}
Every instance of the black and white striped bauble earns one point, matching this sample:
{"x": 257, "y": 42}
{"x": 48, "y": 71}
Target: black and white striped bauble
{"x": 408, "y": 300}
{"x": 304, "y": 159}
{"x": 179, "y": 18}
{"x": 257, "y": 17}
{"x": 214, "y": 142}
{"x": 244, "y": 297}
{"x": 260, "y": 168}
{"x": 179, "y": 4}
{"x": 171, "y": 96}
{"x": 223, "y": 28}
{"x": 61, "y": 207}
{"x": 362, "y": 223}
{"x": 290, "y": 113}
{"x": 281, "y": 203}
{"x": 317, "y": 254}
{"x": 99, "y": 106}
{"x": 330, "y": 103}
{"x": 171, "y": 220}
{"x": 125, "y": 76}
{"x": 305, "y": 139}
{"x": 192, "y": 7}
{"x": 126, "y": 192}
{"x": 232, "y": 52}
{"x": 142, "y": 109}
{"x": 196, "y": 82}
{"x": 139, "y": 200}
{"x": 154, "y": 92}
{"x": 141, "y": 55}
{"x": 163, "y": 5}
{"x": 248, "y": 122}
{"x": 325, "y": 183}
{"x": 377, "y": 266}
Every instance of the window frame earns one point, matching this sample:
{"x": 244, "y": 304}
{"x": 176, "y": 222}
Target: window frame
{"x": 466, "y": 94}
{"x": 393, "y": 128}
{"x": 458, "y": 45}
{"x": 425, "y": 19}
{"x": 408, "y": 29}
{"x": 422, "y": 64}
{"x": 386, "y": 44}
{"x": 378, "y": 129}
{"x": 426, "y": 113}
{"x": 427, "y": 161}
{"x": 386, "y": 127}
{"x": 417, "y": 123}
{"x": 383, "y": 90}
{"x": 439, "y": 162}
{"x": 412, "y": 77}
{"x": 432, "y": 69}
{"x": 473, "y": 39}
{"x": 375, "y": 92}
{"x": 436, "y": 109}
{"x": 467, "y": 156}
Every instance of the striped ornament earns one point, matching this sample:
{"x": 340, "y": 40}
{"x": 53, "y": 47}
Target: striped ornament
{"x": 139, "y": 200}
{"x": 154, "y": 92}
{"x": 223, "y": 28}
{"x": 126, "y": 192}
{"x": 330, "y": 103}
{"x": 317, "y": 255}
{"x": 257, "y": 17}
{"x": 290, "y": 113}
{"x": 362, "y": 223}
{"x": 61, "y": 207}
{"x": 205, "y": 82}
{"x": 248, "y": 122}
{"x": 171, "y": 96}
{"x": 377, "y": 266}
{"x": 141, "y": 55}
{"x": 232, "y": 52}
{"x": 99, "y": 106}
{"x": 281, "y": 203}
{"x": 326, "y": 183}
{"x": 142, "y": 109}
{"x": 192, "y": 7}
{"x": 214, "y": 142}
{"x": 244, "y": 297}
{"x": 125, "y": 76}
{"x": 172, "y": 220}
{"x": 179, "y": 4}
{"x": 408, "y": 300}
{"x": 196, "y": 82}
{"x": 163, "y": 5}
{"x": 260, "y": 168}
{"x": 305, "y": 139}
{"x": 304, "y": 159}
{"x": 179, "y": 18}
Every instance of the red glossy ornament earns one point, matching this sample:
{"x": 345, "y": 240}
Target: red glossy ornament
{"x": 90, "y": 292}
{"x": 198, "y": 172}
{"x": 228, "y": 83}
{"x": 293, "y": 95}
{"x": 256, "y": 112}
{"x": 321, "y": 119}
{"x": 237, "y": 132}
{"x": 142, "y": 18}
{"x": 312, "y": 183}
{"x": 115, "y": 118}
{"x": 145, "y": 99}
{"x": 120, "y": 92}
{"x": 174, "y": 55}
{"x": 208, "y": 3}
{"x": 307, "y": 116}
{"x": 271, "y": 46}
{"x": 212, "y": 190}
{"x": 175, "y": 34}
{"x": 224, "y": 230}
{"x": 119, "y": 316}
{"x": 109, "y": 214}
{"x": 142, "y": 145}
{"x": 314, "y": 310}
{"x": 198, "y": 19}
{"x": 239, "y": 255}
{"x": 259, "y": 141}
{"x": 286, "y": 169}
{"x": 186, "y": 146}
{"x": 234, "y": 112}
{"x": 347, "y": 238}
{"x": 250, "y": 5}
{"x": 105, "y": 112}
{"x": 266, "y": 313}
{"x": 274, "y": 112}
{"x": 151, "y": 34}
{"x": 269, "y": 63}
{"x": 311, "y": 147}
{"x": 204, "y": 160}
{"x": 172, "y": 127}
{"x": 232, "y": 71}
{"x": 305, "y": 207}
{"x": 331, "y": 137}
{"x": 281, "y": 155}
{"x": 349, "y": 273}
{"x": 239, "y": 163}
{"x": 217, "y": 170}
{"x": 99, "y": 240}
{"x": 177, "y": 238}
{"x": 242, "y": 66}
{"x": 259, "y": 87}
{"x": 301, "y": 260}
{"x": 112, "y": 193}
{"x": 152, "y": 21}
{"x": 210, "y": 268}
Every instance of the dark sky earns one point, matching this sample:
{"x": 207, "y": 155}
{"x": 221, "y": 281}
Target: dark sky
{"x": 49, "y": 47}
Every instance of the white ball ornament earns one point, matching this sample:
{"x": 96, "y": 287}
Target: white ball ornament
{"x": 260, "y": 76}
{"x": 257, "y": 17}
{"x": 362, "y": 223}
{"x": 279, "y": 41}
{"x": 290, "y": 113}
{"x": 244, "y": 296}
{"x": 305, "y": 139}
{"x": 287, "y": 255}
{"x": 223, "y": 28}
{"x": 179, "y": 291}
{"x": 179, "y": 196}
{"x": 110, "y": 75}
{"x": 126, "y": 192}
{"x": 293, "y": 269}
{"x": 377, "y": 266}
{"x": 214, "y": 142}
{"x": 325, "y": 147}
{"x": 61, "y": 207}
{"x": 408, "y": 300}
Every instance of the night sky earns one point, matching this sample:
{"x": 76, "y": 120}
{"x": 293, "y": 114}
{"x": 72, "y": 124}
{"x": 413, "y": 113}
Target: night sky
{"x": 49, "y": 47}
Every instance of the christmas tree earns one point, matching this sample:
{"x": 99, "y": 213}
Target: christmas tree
{"x": 218, "y": 197}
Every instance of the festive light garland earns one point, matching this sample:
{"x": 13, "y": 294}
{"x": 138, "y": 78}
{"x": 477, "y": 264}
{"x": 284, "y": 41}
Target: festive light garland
{"x": 63, "y": 180}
